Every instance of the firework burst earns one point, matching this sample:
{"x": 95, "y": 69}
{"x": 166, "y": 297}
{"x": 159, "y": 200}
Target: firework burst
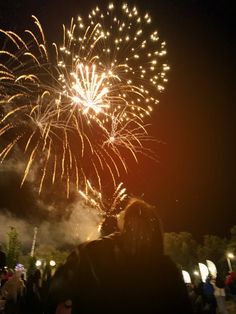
{"x": 78, "y": 108}
{"x": 106, "y": 207}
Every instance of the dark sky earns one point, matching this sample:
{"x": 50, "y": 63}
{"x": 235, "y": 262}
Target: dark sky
{"x": 193, "y": 185}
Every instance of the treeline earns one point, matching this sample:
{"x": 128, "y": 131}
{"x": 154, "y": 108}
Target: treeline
{"x": 187, "y": 252}
{"x": 181, "y": 247}
{"x": 16, "y": 253}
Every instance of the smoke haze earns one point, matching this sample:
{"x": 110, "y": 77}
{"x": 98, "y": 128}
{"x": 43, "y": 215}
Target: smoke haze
{"x": 81, "y": 225}
{"x": 60, "y": 221}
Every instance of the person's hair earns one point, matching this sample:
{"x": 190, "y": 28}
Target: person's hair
{"x": 142, "y": 229}
{"x": 109, "y": 225}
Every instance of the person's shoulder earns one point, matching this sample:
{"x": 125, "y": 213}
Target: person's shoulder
{"x": 90, "y": 248}
{"x": 100, "y": 248}
{"x": 170, "y": 268}
{"x": 100, "y": 242}
{"x": 167, "y": 260}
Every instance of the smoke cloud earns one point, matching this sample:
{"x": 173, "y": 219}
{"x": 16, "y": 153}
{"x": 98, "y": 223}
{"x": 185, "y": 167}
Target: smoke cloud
{"x": 59, "y": 221}
{"x": 82, "y": 225}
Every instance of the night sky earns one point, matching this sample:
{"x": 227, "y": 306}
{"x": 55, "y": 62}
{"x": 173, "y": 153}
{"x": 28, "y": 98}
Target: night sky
{"x": 193, "y": 184}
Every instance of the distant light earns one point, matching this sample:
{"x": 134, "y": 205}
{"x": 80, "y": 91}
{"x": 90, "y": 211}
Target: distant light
{"x": 19, "y": 267}
{"x": 230, "y": 255}
{"x": 52, "y": 263}
{"x": 196, "y": 273}
{"x": 203, "y": 271}
{"x": 212, "y": 268}
{"x": 186, "y": 276}
{"x": 38, "y": 263}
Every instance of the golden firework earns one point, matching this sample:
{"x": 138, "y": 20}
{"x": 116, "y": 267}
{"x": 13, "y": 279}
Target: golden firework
{"x": 78, "y": 109}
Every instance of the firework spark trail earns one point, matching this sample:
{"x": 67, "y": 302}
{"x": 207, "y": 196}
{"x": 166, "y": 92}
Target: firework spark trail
{"x": 79, "y": 108}
{"x": 105, "y": 206}
{"x": 130, "y": 135}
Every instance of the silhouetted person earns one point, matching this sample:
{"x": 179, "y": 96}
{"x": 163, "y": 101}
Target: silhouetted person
{"x": 2, "y": 259}
{"x": 12, "y": 291}
{"x": 210, "y": 300}
{"x": 219, "y": 292}
{"x": 230, "y": 283}
{"x": 126, "y": 272}
{"x": 3, "y": 278}
{"x": 33, "y": 301}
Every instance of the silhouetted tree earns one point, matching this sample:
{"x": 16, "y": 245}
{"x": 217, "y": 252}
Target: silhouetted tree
{"x": 31, "y": 266}
{"x": 13, "y": 248}
{"x": 214, "y": 248}
{"x": 182, "y": 248}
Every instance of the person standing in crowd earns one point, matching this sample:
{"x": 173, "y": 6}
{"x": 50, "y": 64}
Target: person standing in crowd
{"x": 210, "y": 300}
{"x": 125, "y": 272}
{"x": 2, "y": 259}
{"x": 12, "y": 291}
{"x": 3, "y": 278}
{"x": 33, "y": 300}
{"x": 219, "y": 292}
{"x": 230, "y": 284}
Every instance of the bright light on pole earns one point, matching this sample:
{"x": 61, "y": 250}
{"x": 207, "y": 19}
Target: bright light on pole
{"x": 52, "y": 263}
{"x": 38, "y": 263}
{"x": 228, "y": 257}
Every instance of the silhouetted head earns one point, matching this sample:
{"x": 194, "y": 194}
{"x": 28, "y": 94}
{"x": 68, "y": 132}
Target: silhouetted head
{"x": 37, "y": 275}
{"x": 47, "y": 273}
{"x": 141, "y": 229}
{"x": 109, "y": 225}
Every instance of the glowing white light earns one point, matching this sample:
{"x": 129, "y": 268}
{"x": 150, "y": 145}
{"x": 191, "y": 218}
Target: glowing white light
{"x": 186, "y": 276}
{"x": 89, "y": 89}
{"x": 38, "y": 263}
{"x": 52, "y": 263}
{"x": 203, "y": 271}
{"x": 212, "y": 268}
{"x": 230, "y": 255}
{"x": 19, "y": 267}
